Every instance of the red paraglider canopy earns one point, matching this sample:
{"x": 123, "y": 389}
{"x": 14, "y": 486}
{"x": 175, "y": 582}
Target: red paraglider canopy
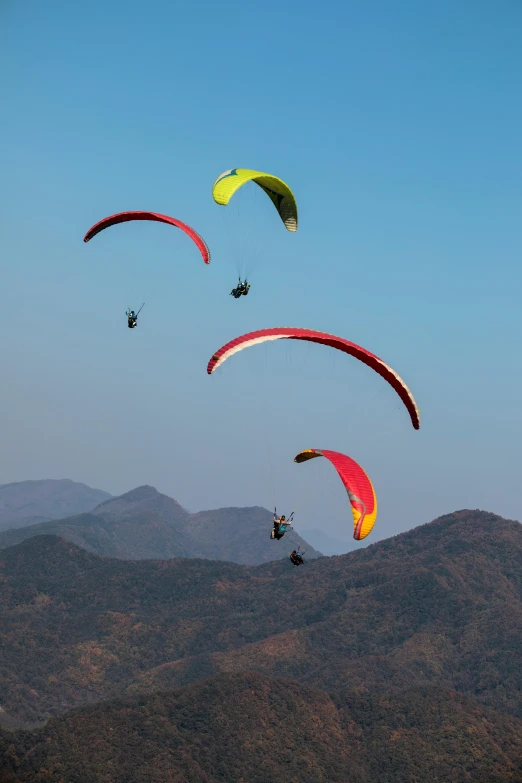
{"x": 357, "y": 484}
{"x": 292, "y": 333}
{"x": 124, "y": 217}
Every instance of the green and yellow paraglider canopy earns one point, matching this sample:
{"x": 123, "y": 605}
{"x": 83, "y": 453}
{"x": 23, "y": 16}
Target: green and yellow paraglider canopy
{"x": 278, "y": 191}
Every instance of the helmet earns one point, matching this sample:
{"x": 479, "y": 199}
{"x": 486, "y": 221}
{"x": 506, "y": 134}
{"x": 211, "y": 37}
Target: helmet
{"x": 283, "y": 516}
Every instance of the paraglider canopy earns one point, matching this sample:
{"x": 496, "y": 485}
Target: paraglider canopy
{"x": 125, "y": 217}
{"x": 357, "y": 484}
{"x": 293, "y": 333}
{"x": 278, "y": 191}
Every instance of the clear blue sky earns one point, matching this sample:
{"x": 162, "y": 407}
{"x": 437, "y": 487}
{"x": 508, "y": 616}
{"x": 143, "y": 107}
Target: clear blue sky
{"x": 399, "y": 127}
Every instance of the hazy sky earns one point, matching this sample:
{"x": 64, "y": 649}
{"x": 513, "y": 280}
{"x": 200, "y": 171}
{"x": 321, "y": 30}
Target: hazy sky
{"x": 399, "y": 127}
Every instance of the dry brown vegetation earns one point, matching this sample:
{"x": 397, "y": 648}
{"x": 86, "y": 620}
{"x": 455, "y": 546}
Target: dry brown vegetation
{"x": 412, "y": 646}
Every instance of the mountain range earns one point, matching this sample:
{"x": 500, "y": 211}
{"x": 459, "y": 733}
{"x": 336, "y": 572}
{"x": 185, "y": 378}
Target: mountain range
{"x": 29, "y": 502}
{"x": 430, "y": 620}
{"x": 248, "y": 727}
{"x": 398, "y": 662}
{"x": 145, "y": 524}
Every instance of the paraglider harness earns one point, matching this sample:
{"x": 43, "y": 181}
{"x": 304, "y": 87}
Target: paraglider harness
{"x": 296, "y": 558}
{"x": 280, "y": 525}
{"x": 132, "y": 317}
{"x": 240, "y": 290}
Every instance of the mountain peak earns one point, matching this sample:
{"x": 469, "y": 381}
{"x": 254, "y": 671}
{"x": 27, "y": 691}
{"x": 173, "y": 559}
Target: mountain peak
{"x": 145, "y": 492}
{"x": 144, "y": 501}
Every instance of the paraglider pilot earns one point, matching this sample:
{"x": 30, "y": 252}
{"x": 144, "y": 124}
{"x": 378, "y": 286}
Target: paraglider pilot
{"x": 132, "y": 318}
{"x": 280, "y": 525}
{"x": 297, "y": 557}
{"x": 241, "y": 289}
